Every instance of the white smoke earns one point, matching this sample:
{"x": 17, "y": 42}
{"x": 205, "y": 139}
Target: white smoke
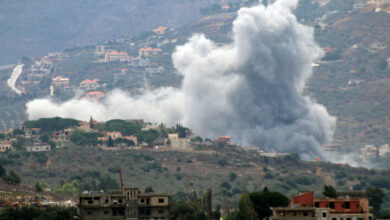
{"x": 249, "y": 89}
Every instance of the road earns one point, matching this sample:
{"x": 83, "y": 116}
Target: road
{"x": 14, "y": 77}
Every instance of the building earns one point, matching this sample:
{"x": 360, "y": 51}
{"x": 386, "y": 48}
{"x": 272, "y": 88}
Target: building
{"x": 60, "y": 82}
{"x": 290, "y": 213}
{"x": 38, "y": 148}
{"x": 384, "y": 150}
{"x": 126, "y": 204}
{"x": 114, "y": 134}
{"x": 5, "y": 146}
{"x": 305, "y": 206}
{"x": 60, "y": 136}
{"x": 89, "y": 84}
{"x": 131, "y": 138}
{"x": 333, "y": 147}
{"x": 96, "y": 95}
{"x": 177, "y": 142}
{"x": 30, "y": 132}
{"x": 160, "y": 30}
{"x": 148, "y": 51}
{"x": 114, "y": 55}
{"x": 223, "y": 139}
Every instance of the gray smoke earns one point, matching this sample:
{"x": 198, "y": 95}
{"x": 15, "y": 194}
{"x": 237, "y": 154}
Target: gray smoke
{"x": 249, "y": 89}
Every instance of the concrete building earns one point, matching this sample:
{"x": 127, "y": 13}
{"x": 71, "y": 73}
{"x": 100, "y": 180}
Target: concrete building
{"x": 38, "y": 148}
{"x": 176, "y": 142}
{"x": 60, "y": 136}
{"x": 60, "y": 82}
{"x": 126, "y": 204}
{"x": 90, "y": 84}
{"x": 114, "y": 55}
{"x": 147, "y": 51}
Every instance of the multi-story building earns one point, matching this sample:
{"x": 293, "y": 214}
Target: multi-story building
{"x": 114, "y": 55}
{"x": 126, "y": 204}
{"x": 305, "y": 206}
{"x": 60, "y": 82}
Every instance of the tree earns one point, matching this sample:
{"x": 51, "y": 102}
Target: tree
{"x": 44, "y": 138}
{"x": 91, "y": 123}
{"x": 246, "y": 210}
{"x": 110, "y": 142}
{"x": 12, "y": 177}
{"x": 2, "y": 171}
{"x": 375, "y": 197}
{"x": 149, "y": 189}
{"x": 262, "y": 201}
{"x": 329, "y": 191}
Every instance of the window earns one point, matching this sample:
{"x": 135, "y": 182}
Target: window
{"x": 348, "y": 218}
{"x": 305, "y": 214}
{"x": 120, "y": 200}
{"x": 331, "y": 205}
{"x": 142, "y": 200}
{"x": 347, "y": 205}
{"x": 317, "y": 204}
{"x": 105, "y": 212}
{"x": 161, "y": 211}
{"x": 294, "y": 214}
{"x": 160, "y": 200}
{"x": 334, "y": 218}
{"x": 147, "y": 201}
{"x": 324, "y": 214}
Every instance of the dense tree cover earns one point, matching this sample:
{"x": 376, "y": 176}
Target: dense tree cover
{"x": 51, "y": 124}
{"x": 32, "y": 213}
{"x": 182, "y": 131}
{"x": 40, "y": 157}
{"x": 246, "y": 210}
{"x": 124, "y": 127}
{"x": 262, "y": 201}
{"x": 187, "y": 211}
{"x": 257, "y": 205}
{"x": 84, "y": 138}
{"x": 147, "y": 136}
{"x": 375, "y": 197}
{"x": 329, "y": 191}
{"x": 12, "y": 177}
{"x": 17, "y": 131}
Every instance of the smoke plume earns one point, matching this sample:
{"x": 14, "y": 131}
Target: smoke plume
{"x": 249, "y": 89}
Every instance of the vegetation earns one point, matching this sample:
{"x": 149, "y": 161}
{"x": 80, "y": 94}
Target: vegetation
{"x": 32, "y": 213}
{"x": 51, "y": 124}
{"x": 329, "y": 191}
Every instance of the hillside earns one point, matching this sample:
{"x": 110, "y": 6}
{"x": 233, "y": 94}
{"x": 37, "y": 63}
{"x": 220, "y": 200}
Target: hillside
{"x": 36, "y": 28}
{"x": 352, "y": 80}
{"x": 228, "y": 170}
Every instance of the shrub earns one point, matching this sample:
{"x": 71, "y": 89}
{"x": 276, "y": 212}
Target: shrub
{"x": 12, "y": 177}
{"x": 303, "y": 180}
{"x": 226, "y": 185}
{"x": 233, "y": 176}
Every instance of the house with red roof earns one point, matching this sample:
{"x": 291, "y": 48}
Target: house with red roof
{"x": 89, "y": 84}
{"x": 160, "y": 30}
{"x": 96, "y": 95}
{"x": 5, "y": 145}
